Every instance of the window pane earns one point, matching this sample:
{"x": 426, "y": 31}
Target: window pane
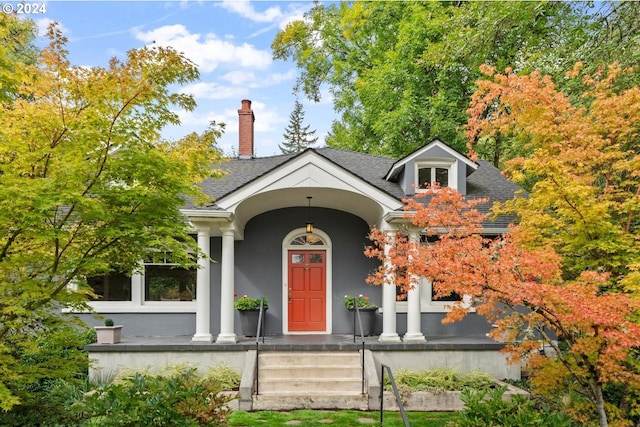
{"x": 442, "y": 177}
{"x": 424, "y": 177}
{"x": 112, "y": 287}
{"x": 314, "y": 240}
{"x": 297, "y": 259}
{"x": 451, "y": 297}
{"x": 165, "y": 282}
{"x": 315, "y": 259}
{"x": 300, "y": 240}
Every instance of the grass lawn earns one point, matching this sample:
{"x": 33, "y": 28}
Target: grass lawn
{"x": 311, "y": 418}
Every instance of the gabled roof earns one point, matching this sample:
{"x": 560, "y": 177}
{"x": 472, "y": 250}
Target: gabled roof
{"x": 423, "y": 152}
{"x": 368, "y": 168}
{"x": 486, "y": 181}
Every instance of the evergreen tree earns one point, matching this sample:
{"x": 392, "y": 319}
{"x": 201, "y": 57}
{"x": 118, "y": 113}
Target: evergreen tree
{"x": 297, "y": 137}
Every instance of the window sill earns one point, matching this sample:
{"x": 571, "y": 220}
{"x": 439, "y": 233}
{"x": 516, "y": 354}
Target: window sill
{"x": 148, "y": 307}
{"x": 402, "y": 307}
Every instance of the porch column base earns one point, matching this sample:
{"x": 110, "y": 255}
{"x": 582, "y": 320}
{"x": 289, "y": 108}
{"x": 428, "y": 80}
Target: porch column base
{"x": 202, "y": 338}
{"x": 227, "y": 339}
{"x": 414, "y": 338}
{"x": 389, "y": 337}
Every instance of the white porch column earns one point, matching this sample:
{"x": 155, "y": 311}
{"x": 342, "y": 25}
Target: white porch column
{"x": 227, "y": 334}
{"x": 389, "y": 333}
{"x": 414, "y": 333}
{"x": 203, "y": 288}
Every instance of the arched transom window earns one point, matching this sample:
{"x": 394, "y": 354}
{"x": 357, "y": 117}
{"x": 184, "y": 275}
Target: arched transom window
{"x": 307, "y": 240}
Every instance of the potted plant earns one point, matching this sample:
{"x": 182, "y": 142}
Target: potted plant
{"x": 109, "y": 333}
{"x": 249, "y": 309}
{"x": 367, "y": 311}
{"x": 364, "y": 303}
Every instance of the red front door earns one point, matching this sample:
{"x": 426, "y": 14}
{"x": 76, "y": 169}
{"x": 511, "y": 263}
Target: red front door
{"x": 307, "y": 291}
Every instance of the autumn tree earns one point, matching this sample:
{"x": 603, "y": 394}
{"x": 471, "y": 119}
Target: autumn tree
{"x": 582, "y": 168}
{"x": 401, "y": 73}
{"x": 297, "y": 136}
{"x": 87, "y": 186}
{"x": 520, "y": 287}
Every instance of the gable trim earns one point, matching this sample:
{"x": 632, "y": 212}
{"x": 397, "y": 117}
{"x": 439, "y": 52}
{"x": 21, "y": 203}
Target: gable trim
{"x": 305, "y": 163}
{"x": 395, "y": 168}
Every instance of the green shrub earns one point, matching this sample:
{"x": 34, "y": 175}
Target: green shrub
{"x": 53, "y": 366}
{"x": 487, "y": 408}
{"x": 226, "y": 377}
{"x": 438, "y": 380}
{"x": 177, "y": 399}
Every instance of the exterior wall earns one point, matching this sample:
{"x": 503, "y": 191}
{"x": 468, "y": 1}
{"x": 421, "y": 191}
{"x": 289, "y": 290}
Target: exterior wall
{"x": 258, "y": 271}
{"x": 148, "y": 324}
{"x": 106, "y": 364}
{"x": 493, "y": 362}
{"x": 431, "y": 325}
{"x": 259, "y": 261}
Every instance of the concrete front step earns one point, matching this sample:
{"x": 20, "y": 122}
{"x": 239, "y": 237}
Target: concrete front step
{"x": 310, "y": 386}
{"x": 294, "y": 380}
{"x": 299, "y": 358}
{"x": 290, "y": 402}
{"x": 302, "y": 371}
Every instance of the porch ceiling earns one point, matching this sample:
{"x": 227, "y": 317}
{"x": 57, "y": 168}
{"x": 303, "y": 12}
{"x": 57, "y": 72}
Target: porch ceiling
{"x": 357, "y": 204}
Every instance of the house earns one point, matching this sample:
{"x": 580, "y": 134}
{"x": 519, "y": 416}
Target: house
{"x": 256, "y": 233}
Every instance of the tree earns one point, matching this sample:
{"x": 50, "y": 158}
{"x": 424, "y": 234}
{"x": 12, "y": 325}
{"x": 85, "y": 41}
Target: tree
{"x": 87, "y": 186}
{"x": 296, "y": 136}
{"x": 401, "y": 73}
{"x": 581, "y": 169}
{"x": 16, "y": 51}
{"x": 603, "y": 33}
{"x": 521, "y": 289}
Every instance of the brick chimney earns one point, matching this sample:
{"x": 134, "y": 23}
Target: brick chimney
{"x": 245, "y": 130}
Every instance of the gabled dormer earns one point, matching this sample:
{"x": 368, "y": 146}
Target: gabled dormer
{"x": 434, "y": 162}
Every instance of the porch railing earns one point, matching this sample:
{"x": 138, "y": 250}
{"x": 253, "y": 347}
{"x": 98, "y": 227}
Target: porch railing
{"x": 357, "y": 318}
{"x": 395, "y": 392}
{"x": 259, "y": 332}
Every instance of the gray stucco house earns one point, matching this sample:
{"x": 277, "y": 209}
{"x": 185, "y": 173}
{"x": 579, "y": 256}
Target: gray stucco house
{"x": 255, "y": 233}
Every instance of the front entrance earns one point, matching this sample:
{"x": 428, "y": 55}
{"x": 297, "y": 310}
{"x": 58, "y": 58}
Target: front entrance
{"x": 307, "y": 300}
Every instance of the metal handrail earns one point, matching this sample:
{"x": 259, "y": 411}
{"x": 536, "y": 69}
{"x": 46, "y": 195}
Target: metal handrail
{"x": 356, "y": 315}
{"x": 397, "y": 395}
{"x": 259, "y": 331}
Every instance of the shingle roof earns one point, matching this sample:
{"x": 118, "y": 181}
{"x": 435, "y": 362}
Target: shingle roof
{"x": 486, "y": 181}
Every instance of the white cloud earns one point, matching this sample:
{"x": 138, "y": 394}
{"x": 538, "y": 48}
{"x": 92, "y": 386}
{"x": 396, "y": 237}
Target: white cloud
{"x": 207, "y": 52}
{"x": 239, "y": 77}
{"x": 273, "y": 15}
{"x": 274, "y": 79}
{"x": 245, "y": 9}
{"x": 248, "y": 78}
{"x": 212, "y": 90}
{"x": 42, "y": 25}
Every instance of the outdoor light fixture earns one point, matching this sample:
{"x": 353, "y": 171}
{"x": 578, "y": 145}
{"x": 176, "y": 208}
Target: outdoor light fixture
{"x": 309, "y": 223}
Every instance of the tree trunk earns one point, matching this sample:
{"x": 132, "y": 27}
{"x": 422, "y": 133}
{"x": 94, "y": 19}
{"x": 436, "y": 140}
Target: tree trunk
{"x": 602, "y": 414}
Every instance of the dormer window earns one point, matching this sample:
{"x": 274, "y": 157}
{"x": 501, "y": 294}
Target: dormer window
{"x": 431, "y": 172}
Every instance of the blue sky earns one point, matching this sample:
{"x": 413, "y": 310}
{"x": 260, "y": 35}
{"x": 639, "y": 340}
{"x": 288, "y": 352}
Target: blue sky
{"x": 230, "y": 42}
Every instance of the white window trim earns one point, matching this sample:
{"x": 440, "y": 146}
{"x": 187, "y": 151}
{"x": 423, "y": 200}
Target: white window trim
{"x": 450, "y": 164}
{"x": 139, "y": 305}
{"x": 427, "y": 305}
